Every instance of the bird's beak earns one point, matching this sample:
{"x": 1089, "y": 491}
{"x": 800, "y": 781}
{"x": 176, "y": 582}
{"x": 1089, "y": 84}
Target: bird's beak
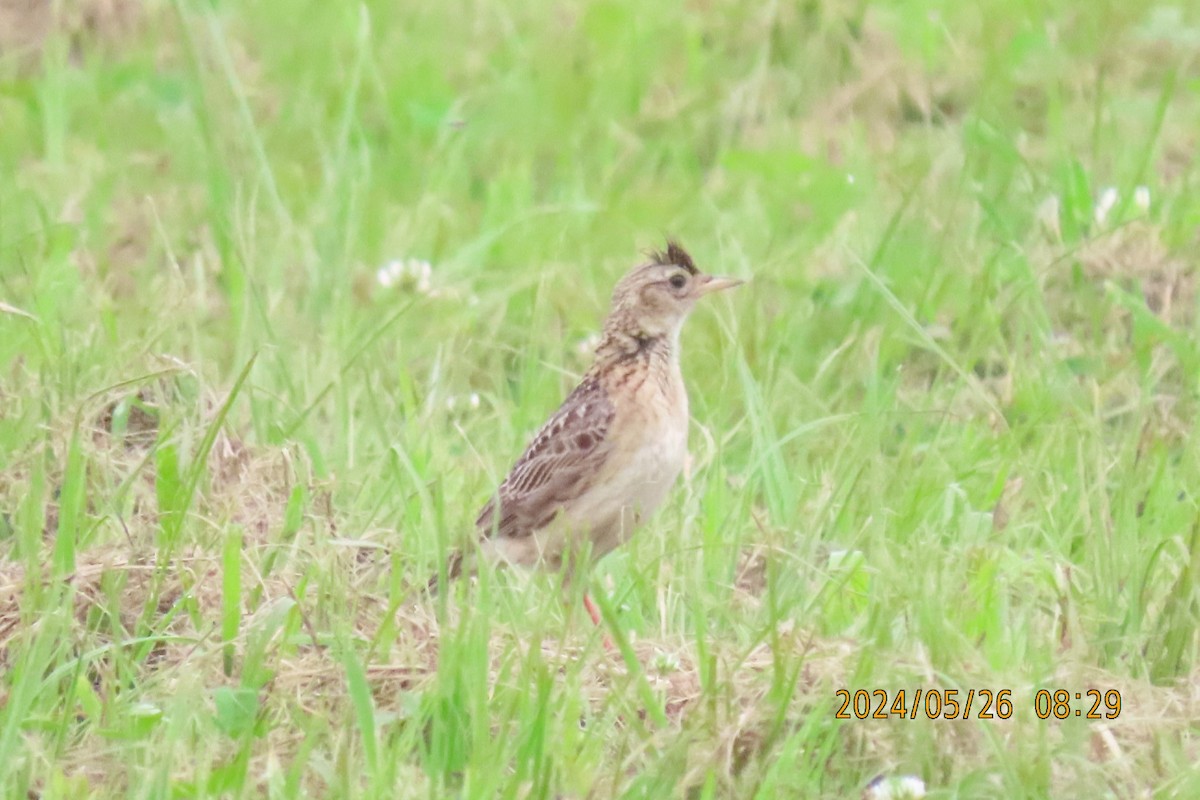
{"x": 715, "y": 283}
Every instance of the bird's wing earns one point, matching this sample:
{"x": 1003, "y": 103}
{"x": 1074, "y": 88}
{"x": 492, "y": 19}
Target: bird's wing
{"x": 559, "y": 465}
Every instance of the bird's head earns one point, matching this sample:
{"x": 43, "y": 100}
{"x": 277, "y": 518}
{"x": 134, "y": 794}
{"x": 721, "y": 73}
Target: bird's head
{"x": 655, "y": 298}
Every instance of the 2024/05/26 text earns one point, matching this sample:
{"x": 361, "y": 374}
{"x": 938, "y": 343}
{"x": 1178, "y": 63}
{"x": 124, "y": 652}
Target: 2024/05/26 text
{"x": 985, "y": 703}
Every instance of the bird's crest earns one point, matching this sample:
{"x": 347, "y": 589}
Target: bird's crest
{"x": 674, "y": 255}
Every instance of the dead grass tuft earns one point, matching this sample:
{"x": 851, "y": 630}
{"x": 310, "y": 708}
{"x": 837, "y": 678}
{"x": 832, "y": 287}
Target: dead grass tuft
{"x": 25, "y": 25}
{"x": 130, "y": 420}
{"x": 1135, "y": 257}
{"x": 889, "y": 91}
{"x": 112, "y": 591}
{"x": 251, "y": 485}
{"x": 751, "y": 576}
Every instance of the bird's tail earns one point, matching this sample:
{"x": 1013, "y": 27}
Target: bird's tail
{"x": 454, "y": 569}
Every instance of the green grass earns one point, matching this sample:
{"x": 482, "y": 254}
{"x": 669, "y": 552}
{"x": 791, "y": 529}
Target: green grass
{"x": 941, "y": 441}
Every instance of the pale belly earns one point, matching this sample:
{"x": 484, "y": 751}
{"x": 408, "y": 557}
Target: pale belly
{"x": 609, "y": 513}
{"x": 635, "y": 480}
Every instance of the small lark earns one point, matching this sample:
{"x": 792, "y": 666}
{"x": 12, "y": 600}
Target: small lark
{"x": 606, "y": 459}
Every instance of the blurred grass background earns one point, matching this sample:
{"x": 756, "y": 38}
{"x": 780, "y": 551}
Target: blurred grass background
{"x": 286, "y": 287}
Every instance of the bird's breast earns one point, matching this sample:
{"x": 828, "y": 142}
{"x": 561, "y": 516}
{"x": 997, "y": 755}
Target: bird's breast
{"x": 650, "y": 448}
{"x": 646, "y": 450}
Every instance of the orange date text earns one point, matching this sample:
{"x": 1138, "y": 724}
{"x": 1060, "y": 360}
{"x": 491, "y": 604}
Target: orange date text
{"x": 927, "y": 703}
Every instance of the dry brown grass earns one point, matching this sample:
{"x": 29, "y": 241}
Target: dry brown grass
{"x": 1136, "y": 257}
{"x": 26, "y": 24}
{"x": 889, "y": 91}
{"x": 734, "y": 725}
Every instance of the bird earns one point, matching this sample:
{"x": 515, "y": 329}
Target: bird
{"x": 607, "y": 458}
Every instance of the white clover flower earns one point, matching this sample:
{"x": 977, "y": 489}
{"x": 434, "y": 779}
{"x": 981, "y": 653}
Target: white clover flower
{"x": 387, "y": 275}
{"x": 463, "y": 403}
{"x": 665, "y": 663}
{"x": 413, "y": 274}
{"x": 1106, "y": 203}
{"x": 904, "y": 787}
{"x": 1141, "y": 198}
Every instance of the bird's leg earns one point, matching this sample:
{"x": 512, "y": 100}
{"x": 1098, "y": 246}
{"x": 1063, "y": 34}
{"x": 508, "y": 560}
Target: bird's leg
{"x": 593, "y": 612}
{"x": 570, "y": 566}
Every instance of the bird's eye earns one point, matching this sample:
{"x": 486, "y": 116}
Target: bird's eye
{"x": 678, "y": 280}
